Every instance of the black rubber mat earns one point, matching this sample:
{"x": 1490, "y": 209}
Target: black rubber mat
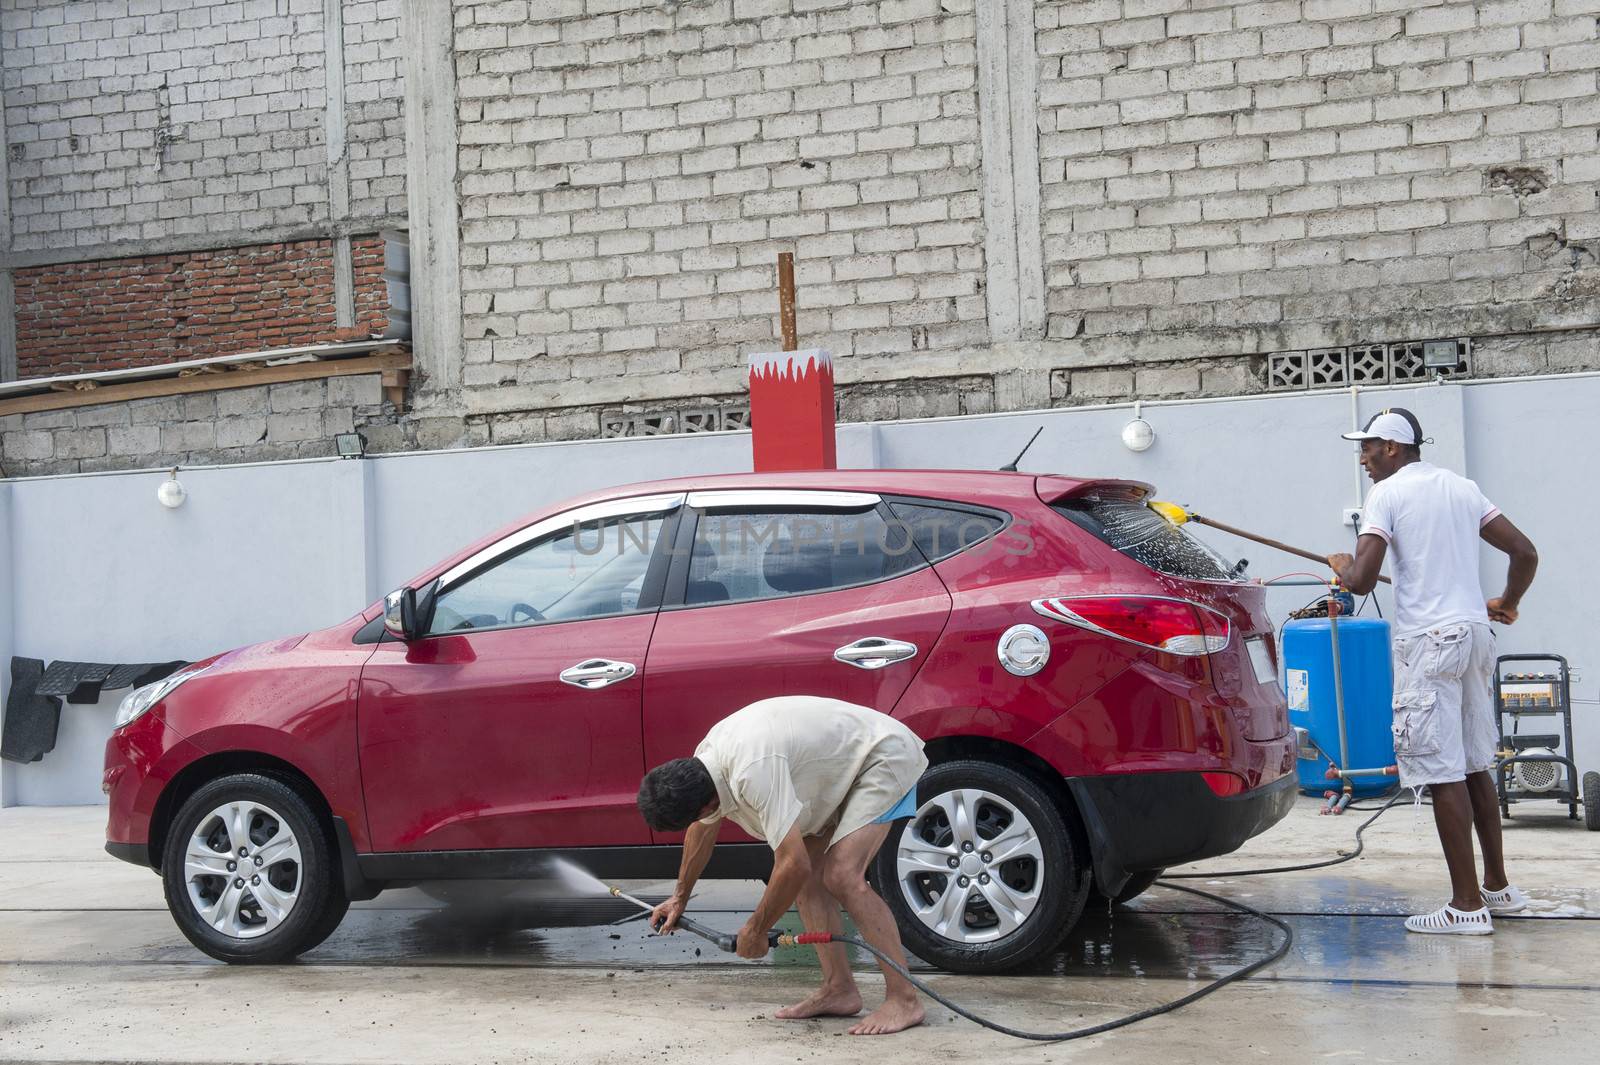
{"x": 138, "y": 674}
{"x": 29, "y": 732}
{"x": 80, "y": 682}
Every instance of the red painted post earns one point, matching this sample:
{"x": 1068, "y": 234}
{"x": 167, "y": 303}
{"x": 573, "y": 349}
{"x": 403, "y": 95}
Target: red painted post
{"x": 791, "y": 395}
{"x": 791, "y": 411}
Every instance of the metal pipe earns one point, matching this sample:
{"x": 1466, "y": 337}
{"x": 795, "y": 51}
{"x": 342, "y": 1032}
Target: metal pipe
{"x": 1387, "y": 771}
{"x": 786, "y": 301}
{"x": 1355, "y": 427}
{"x": 1338, "y": 684}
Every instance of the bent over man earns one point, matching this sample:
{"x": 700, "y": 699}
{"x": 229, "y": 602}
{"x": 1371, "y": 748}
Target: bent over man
{"x": 821, "y": 781}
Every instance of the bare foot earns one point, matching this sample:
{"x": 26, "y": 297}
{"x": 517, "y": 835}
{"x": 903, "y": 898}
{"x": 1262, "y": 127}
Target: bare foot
{"x": 824, "y": 1002}
{"x": 890, "y": 1017}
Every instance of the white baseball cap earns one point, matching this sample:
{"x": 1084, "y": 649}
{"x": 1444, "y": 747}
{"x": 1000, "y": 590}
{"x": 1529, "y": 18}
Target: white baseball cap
{"x": 1393, "y": 423}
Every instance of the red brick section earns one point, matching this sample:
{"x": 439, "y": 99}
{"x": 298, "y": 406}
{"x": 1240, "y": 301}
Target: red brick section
{"x": 372, "y": 296}
{"x": 114, "y": 313}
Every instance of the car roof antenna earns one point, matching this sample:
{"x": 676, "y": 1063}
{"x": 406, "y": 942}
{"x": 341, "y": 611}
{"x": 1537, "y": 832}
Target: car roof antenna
{"x": 1011, "y": 467}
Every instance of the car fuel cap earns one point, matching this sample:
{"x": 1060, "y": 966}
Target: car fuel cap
{"x": 1024, "y": 649}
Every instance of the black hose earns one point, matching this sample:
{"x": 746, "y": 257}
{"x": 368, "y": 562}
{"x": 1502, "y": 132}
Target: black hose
{"x": 1166, "y": 1007}
{"x": 1120, "y": 1022}
{"x": 1142, "y": 1015}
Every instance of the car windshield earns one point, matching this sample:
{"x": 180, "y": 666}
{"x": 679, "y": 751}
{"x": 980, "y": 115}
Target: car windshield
{"x": 1122, "y": 520}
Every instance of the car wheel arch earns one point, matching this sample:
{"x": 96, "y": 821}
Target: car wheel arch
{"x": 989, "y": 749}
{"x": 197, "y": 773}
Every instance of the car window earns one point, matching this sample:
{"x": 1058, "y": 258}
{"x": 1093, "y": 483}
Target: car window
{"x": 1127, "y": 524}
{"x": 591, "y": 569}
{"x": 940, "y": 532}
{"x": 744, "y": 555}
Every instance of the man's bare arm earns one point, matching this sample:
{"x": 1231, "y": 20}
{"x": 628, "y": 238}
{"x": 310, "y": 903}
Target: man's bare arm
{"x": 1359, "y": 573}
{"x": 1500, "y": 533}
{"x": 698, "y": 843}
{"x": 791, "y": 868}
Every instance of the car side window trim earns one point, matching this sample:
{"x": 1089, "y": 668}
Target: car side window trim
{"x": 634, "y": 507}
{"x": 689, "y": 527}
{"x": 721, "y": 499}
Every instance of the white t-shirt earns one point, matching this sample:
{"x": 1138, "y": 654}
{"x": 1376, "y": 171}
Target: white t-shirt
{"x": 824, "y": 766}
{"x": 1431, "y": 519}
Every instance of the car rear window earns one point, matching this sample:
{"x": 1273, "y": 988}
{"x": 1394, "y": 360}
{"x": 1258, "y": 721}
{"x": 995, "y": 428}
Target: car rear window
{"x": 1124, "y": 522}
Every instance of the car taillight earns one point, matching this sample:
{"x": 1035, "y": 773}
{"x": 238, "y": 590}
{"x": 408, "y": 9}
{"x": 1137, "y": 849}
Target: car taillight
{"x": 1225, "y": 785}
{"x": 1176, "y": 626}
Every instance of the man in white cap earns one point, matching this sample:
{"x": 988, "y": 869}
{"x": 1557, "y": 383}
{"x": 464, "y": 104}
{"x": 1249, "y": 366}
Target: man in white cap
{"x": 1445, "y": 728}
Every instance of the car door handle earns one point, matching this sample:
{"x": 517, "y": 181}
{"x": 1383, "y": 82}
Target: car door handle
{"x": 875, "y": 652}
{"x": 594, "y": 673}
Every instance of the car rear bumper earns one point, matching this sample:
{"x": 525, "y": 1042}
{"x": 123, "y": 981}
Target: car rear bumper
{"x": 1142, "y": 821}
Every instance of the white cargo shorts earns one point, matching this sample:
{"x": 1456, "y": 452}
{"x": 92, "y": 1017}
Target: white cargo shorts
{"x": 1444, "y": 721}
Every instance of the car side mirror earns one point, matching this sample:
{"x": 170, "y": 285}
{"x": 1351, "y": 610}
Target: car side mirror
{"x": 400, "y": 614}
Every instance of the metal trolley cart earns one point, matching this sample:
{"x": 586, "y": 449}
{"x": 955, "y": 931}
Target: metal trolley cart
{"x": 1538, "y": 765}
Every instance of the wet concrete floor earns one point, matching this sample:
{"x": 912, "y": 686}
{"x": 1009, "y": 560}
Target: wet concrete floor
{"x": 456, "y": 979}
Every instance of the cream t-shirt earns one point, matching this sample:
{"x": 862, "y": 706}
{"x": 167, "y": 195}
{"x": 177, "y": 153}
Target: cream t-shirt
{"x": 824, "y": 766}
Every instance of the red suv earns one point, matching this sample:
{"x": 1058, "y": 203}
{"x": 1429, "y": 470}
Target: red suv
{"x": 1098, "y": 692}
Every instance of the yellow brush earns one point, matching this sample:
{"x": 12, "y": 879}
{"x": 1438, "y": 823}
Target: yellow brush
{"x": 1178, "y": 515}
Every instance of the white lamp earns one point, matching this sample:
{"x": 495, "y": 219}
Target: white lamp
{"x": 172, "y": 493}
{"x": 1138, "y": 434}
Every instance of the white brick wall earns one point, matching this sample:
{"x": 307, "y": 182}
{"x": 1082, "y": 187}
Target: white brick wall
{"x": 133, "y": 120}
{"x": 1218, "y": 178}
{"x": 630, "y": 171}
{"x": 1263, "y": 164}
{"x": 374, "y": 99}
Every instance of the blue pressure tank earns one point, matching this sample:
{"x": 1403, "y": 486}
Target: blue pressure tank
{"x": 1368, "y": 691}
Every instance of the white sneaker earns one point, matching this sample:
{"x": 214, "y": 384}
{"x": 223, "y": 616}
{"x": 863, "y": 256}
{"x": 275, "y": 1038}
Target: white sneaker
{"x": 1508, "y": 900}
{"x": 1449, "y": 921}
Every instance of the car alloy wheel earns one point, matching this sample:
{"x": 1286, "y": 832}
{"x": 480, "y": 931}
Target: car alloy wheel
{"x": 249, "y": 870}
{"x": 243, "y": 869}
{"x": 969, "y": 865}
{"x": 989, "y": 873}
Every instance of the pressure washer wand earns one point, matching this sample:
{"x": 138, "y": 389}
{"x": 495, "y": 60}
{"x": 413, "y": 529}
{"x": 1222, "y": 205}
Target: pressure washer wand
{"x": 727, "y": 941}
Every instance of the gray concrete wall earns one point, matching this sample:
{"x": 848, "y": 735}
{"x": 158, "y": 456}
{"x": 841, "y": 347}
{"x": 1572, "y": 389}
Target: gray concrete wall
{"x": 102, "y": 572}
{"x": 131, "y": 123}
{"x": 1000, "y": 206}
{"x": 1027, "y": 202}
{"x": 258, "y": 424}
{"x": 1334, "y": 170}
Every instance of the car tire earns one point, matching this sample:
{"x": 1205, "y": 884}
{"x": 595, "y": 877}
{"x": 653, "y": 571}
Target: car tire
{"x": 1591, "y": 801}
{"x": 1040, "y": 882}
{"x": 332, "y": 917}
{"x": 269, "y": 904}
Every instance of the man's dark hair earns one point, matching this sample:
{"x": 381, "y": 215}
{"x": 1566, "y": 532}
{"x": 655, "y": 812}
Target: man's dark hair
{"x": 672, "y": 794}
